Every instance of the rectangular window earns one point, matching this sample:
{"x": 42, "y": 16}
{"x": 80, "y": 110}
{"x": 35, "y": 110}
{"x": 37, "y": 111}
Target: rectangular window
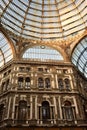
{"x": 40, "y": 69}
{"x": 21, "y": 68}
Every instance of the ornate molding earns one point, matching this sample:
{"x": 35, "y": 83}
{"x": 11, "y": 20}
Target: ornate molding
{"x": 64, "y": 43}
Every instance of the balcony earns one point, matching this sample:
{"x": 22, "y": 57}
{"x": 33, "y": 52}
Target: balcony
{"x": 49, "y": 123}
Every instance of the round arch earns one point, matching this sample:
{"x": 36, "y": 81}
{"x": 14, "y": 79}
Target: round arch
{"x": 79, "y": 56}
{"x": 6, "y": 51}
{"x": 76, "y": 43}
{"x": 10, "y": 42}
{"x": 42, "y": 52}
{"x": 57, "y": 48}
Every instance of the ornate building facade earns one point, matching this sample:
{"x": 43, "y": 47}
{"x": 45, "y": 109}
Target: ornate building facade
{"x": 42, "y": 94}
{"x": 43, "y": 73}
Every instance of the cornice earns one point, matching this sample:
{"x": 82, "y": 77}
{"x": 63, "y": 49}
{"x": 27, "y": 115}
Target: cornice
{"x": 64, "y": 43}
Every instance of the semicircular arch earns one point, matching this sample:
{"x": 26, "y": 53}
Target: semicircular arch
{"x": 6, "y": 50}
{"x": 79, "y": 56}
{"x": 42, "y": 52}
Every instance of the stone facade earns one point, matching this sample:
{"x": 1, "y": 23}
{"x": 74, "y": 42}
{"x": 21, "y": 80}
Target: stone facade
{"x": 22, "y": 95}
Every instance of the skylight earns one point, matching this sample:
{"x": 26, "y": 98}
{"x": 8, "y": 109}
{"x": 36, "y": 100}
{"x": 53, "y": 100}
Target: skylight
{"x": 44, "y": 19}
{"x": 79, "y": 56}
{"x": 42, "y": 53}
{"x": 5, "y": 50}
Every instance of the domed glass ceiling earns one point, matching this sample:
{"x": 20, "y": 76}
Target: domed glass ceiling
{"x": 44, "y": 19}
{"x": 42, "y": 53}
{"x": 79, "y": 56}
{"x": 5, "y": 50}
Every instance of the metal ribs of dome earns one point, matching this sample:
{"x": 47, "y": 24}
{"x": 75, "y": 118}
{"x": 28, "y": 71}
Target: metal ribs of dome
{"x": 5, "y": 50}
{"x": 44, "y": 19}
{"x": 79, "y": 56}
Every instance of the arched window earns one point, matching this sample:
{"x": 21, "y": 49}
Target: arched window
{"x": 22, "y": 111}
{"x": 68, "y": 111}
{"x": 60, "y": 83}
{"x": 45, "y": 111}
{"x": 47, "y": 83}
{"x": 1, "y": 111}
{"x": 67, "y": 83}
{"x": 20, "y": 82}
{"x": 42, "y": 53}
{"x": 79, "y": 56}
{"x": 40, "y": 82}
{"x": 6, "y": 53}
{"x": 27, "y": 82}
{"x": 5, "y": 85}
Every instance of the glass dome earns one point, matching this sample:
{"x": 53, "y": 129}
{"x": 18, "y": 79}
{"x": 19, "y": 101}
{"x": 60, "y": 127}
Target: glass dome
{"x": 79, "y": 56}
{"x": 5, "y": 50}
{"x": 44, "y": 19}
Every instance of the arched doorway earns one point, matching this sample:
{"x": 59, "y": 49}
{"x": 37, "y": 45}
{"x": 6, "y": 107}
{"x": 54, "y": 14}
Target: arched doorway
{"x": 22, "y": 111}
{"x": 45, "y": 111}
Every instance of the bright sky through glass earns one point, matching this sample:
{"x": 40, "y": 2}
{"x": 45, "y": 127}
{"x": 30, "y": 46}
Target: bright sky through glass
{"x": 44, "y": 19}
{"x": 42, "y": 53}
{"x": 79, "y": 57}
{"x": 5, "y": 50}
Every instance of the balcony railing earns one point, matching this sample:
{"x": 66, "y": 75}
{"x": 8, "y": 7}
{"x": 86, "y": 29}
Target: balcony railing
{"x": 48, "y": 122}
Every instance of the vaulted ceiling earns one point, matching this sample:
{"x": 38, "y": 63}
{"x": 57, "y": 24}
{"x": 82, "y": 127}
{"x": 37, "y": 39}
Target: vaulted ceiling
{"x": 44, "y": 19}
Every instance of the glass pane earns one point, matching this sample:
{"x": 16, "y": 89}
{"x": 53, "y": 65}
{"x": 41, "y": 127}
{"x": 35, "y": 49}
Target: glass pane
{"x": 79, "y": 56}
{"x": 53, "y": 19}
{"x": 5, "y": 50}
{"x": 42, "y": 53}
